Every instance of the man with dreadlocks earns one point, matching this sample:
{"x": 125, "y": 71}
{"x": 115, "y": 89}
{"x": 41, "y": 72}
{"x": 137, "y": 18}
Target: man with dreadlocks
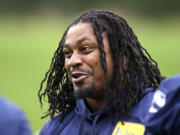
{"x": 100, "y": 79}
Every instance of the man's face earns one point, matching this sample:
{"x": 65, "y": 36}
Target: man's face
{"x": 82, "y": 61}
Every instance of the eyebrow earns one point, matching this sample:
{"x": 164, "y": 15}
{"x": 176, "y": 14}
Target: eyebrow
{"x": 78, "y": 42}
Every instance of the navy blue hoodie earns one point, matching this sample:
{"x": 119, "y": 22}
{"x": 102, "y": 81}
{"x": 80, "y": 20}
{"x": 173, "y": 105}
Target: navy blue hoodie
{"x": 12, "y": 119}
{"x": 82, "y": 122}
{"x": 164, "y": 114}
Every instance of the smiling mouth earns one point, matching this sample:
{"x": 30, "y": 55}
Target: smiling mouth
{"x": 78, "y": 77}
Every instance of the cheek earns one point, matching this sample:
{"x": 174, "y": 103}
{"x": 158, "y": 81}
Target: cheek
{"x": 110, "y": 67}
{"x": 92, "y": 60}
{"x": 66, "y": 66}
{"x": 94, "y": 63}
{"x": 98, "y": 72}
{"x": 99, "y": 76}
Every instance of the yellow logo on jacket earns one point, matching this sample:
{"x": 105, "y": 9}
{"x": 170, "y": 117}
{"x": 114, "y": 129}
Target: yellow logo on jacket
{"x": 128, "y": 128}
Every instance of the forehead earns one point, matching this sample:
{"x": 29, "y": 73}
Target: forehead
{"x": 78, "y": 32}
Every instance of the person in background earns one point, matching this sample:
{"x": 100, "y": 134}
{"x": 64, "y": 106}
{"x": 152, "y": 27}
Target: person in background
{"x": 101, "y": 80}
{"x": 12, "y": 120}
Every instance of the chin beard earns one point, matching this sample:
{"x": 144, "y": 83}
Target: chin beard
{"x": 84, "y": 92}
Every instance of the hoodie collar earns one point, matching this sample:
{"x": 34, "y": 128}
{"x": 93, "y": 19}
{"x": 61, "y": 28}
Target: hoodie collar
{"x": 82, "y": 110}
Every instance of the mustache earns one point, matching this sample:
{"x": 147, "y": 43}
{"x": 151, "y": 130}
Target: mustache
{"x": 90, "y": 72}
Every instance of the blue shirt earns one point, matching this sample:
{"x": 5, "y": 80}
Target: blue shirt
{"x": 12, "y": 119}
{"x": 82, "y": 122}
{"x": 164, "y": 114}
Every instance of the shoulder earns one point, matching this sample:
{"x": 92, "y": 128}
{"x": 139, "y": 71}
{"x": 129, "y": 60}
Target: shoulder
{"x": 13, "y": 120}
{"x": 166, "y": 94}
{"x": 144, "y": 103}
{"x": 50, "y": 125}
{"x": 165, "y": 108}
{"x": 171, "y": 84}
{"x": 54, "y": 126}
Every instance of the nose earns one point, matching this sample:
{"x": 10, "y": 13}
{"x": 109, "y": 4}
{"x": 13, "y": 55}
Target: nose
{"x": 75, "y": 60}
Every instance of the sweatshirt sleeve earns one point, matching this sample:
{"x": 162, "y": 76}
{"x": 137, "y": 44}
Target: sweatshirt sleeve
{"x": 164, "y": 113}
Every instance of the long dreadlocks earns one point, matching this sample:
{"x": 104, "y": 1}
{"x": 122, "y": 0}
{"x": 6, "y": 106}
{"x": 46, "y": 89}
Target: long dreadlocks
{"x": 134, "y": 69}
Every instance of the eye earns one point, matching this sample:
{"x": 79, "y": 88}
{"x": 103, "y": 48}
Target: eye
{"x": 86, "y": 49}
{"x": 67, "y": 53}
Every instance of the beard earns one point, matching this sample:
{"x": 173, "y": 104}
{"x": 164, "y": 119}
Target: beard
{"x": 84, "y": 92}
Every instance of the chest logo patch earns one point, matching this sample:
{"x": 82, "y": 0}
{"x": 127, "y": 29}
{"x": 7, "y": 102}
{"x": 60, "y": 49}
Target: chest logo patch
{"x": 129, "y": 128}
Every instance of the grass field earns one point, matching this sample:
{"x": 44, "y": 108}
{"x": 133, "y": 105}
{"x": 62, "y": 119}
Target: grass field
{"x": 27, "y": 44}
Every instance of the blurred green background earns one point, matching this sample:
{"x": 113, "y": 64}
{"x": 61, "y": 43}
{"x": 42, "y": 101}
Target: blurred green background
{"x": 31, "y": 30}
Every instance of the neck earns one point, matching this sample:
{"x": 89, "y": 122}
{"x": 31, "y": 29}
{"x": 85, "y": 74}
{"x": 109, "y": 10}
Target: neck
{"x": 94, "y": 105}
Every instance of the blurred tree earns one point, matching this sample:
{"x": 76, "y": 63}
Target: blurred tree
{"x": 150, "y": 7}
